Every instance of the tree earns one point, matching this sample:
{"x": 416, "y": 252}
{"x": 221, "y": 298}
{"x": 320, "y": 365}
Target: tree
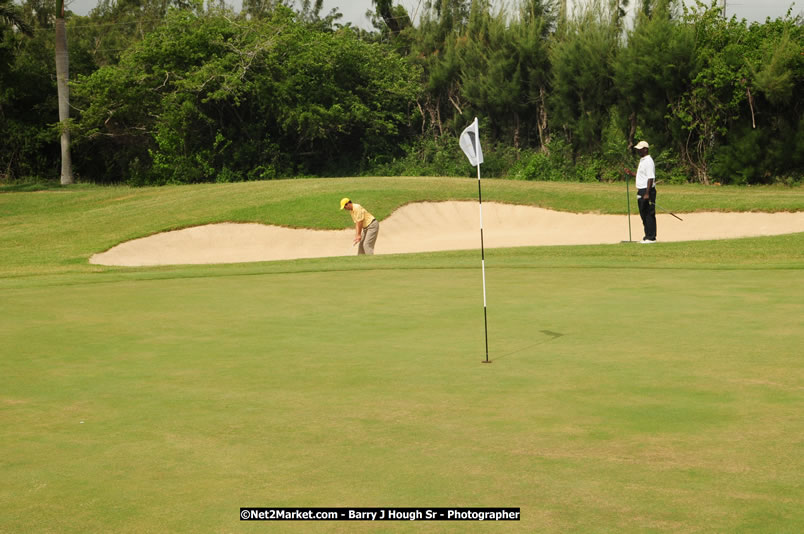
{"x": 214, "y": 97}
{"x": 12, "y": 16}
{"x": 183, "y": 91}
{"x": 62, "y": 77}
{"x": 115, "y": 25}
{"x": 395, "y": 20}
{"x": 393, "y": 24}
{"x": 491, "y": 80}
{"x": 533, "y": 29}
{"x": 763, "y": 140}
{"x": 435, "y": 50}
{"x": 582, "y": 67}
{"x": 654, "y": 71}
{"x": 28, "y": 146}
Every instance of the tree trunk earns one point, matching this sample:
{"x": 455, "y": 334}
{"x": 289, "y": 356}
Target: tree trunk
{"x": 632, "y": 126}
{"x": 62, "y": 76}
{"x": 541, "y": 121}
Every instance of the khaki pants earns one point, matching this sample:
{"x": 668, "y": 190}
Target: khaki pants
{"x": 369, "y": 238}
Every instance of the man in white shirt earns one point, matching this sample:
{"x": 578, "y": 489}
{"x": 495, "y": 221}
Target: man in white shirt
{"x": 646, "y": 192}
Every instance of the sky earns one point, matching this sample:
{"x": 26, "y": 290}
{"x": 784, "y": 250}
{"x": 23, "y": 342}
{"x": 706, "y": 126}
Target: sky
{"x": 354, "y": 11}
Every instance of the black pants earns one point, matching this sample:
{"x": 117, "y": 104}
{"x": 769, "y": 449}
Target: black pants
{"x": 647, "y": 210}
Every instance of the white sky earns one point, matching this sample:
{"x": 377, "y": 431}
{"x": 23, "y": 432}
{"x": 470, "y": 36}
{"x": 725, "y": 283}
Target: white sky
{"x": 354, "y": 11}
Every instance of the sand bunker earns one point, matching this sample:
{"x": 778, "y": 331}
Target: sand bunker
{"x": 433, "y": 226}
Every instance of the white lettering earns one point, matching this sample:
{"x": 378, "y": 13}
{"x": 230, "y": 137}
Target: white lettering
{"x": 355, "y": 514}
{"x": 410, "y": 516}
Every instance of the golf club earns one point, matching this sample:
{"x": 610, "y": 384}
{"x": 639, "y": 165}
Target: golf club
{"x": 667, "y": 211}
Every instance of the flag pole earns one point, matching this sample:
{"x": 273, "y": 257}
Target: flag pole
{"x": 628, "y": 200}
{"x": 470, "y": 144}
{"x": 483, "y": 264}
{"x": 628, "y": 197}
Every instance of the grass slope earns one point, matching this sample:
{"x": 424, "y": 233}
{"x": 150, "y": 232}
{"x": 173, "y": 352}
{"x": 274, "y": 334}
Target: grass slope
{"x": 57, "y": 230}
{"x": 632, "y": 389}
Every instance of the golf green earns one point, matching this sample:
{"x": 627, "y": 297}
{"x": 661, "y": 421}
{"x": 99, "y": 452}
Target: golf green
{"x": 618, "y": 399}
{"x": 631, "y": 388}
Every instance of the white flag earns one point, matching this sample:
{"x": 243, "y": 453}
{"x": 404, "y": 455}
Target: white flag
{"x": 470, "y": 143}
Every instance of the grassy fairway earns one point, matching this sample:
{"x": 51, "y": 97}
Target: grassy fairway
{"x": 55, "y": 231}
{"x": 156, "y": 400}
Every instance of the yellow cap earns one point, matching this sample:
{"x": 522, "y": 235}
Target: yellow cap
{"x": 344, "y": 201}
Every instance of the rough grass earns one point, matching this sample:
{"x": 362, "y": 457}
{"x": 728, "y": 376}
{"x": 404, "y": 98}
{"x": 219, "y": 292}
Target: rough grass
{"x": 57, "y": 230}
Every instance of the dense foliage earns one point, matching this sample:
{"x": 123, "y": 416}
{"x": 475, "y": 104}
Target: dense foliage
{"x": 206, "y": 98}
{"x": 178, "y": 91}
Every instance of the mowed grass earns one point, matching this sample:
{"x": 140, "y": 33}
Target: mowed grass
{"x": 55, "y": 231}
{"x": 631, "y": 389}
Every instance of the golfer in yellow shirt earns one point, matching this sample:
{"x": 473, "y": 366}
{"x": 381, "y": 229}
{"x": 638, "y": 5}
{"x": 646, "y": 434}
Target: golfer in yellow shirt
{"x": 366, "y": 226}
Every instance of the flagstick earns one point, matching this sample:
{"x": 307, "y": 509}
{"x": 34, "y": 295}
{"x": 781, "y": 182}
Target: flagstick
{"x": 483, "y": 264}
{"x": 470, "y": 144}
{"x": 628, "y": 196}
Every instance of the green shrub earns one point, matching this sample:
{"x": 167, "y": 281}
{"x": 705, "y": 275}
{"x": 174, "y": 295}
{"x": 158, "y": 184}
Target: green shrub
{"x": 553, "y": 165}
{"x": 669, "y": 169}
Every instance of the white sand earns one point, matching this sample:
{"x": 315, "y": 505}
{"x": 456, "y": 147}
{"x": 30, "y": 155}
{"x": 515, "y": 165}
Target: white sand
{"x": 432, "y": 226}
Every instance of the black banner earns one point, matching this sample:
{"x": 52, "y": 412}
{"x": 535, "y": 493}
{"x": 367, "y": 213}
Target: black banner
{"x": 379, "y": 514}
